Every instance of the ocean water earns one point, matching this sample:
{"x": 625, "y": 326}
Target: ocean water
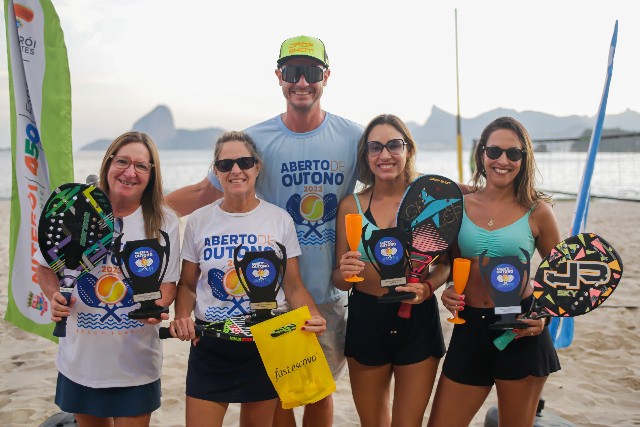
{"x": 615, "y": 174}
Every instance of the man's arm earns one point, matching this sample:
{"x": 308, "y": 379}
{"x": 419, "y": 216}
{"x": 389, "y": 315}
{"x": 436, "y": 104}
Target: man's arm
{"x": 187, "y": 199}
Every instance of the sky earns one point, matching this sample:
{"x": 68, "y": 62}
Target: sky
{"x": 212, "y": 62}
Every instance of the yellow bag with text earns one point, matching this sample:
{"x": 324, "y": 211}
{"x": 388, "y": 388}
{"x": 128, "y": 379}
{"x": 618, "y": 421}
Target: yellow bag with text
{"x": 293, "y": 359}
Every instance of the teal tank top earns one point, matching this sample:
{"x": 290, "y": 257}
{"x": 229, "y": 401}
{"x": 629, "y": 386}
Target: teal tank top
{"x": 505, "y": 241}
{"x": 367, "y": 234}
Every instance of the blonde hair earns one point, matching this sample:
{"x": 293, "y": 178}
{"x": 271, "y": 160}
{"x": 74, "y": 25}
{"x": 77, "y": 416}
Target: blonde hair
{"x": 152, "y": 201}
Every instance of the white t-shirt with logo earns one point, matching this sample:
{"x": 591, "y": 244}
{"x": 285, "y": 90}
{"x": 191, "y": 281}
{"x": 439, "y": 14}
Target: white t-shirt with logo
{"x": 210, "y": 237}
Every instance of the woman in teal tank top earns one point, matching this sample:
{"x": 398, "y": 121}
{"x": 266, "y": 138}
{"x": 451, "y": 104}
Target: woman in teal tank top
{"x": 503, "y": 213}
{"x": 379, "y": 344}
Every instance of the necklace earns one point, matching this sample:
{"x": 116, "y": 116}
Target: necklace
{"x": 490, "y": 223}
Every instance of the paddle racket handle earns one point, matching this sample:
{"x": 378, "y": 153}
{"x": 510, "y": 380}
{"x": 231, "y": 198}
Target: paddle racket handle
{"x": 164, "y": 333}
{"x": 60, "y": 330}
{"x": 503, "y": 340}
{"x": 405, "y": 309}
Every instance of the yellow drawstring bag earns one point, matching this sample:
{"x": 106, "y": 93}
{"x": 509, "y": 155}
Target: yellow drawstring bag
{"x": 293, "y": 359}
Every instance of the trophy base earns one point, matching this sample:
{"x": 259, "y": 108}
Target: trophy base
{"x": 509, "y": 325}
{"x": 153, "y": 313}
{"x": 394, "y": 296}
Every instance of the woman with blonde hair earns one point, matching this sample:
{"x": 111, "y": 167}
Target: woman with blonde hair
{"x": 109, "y": 365}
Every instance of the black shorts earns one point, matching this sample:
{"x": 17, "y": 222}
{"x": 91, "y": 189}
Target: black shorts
{"x": 377, "y": 336}
{"x": 227, "y": 371}
{"x": 473, "y": 359}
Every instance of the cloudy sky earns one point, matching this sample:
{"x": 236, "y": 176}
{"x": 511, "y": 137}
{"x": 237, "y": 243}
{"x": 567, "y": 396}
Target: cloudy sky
{"x": 212, "y": 62}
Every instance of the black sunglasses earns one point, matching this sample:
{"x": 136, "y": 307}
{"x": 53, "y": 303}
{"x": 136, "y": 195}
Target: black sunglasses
{"x": 244, "y": 163}
{"x": 393, "y": 146}
{"x": 312, "y": 74}
{"x": 513, "y": 154}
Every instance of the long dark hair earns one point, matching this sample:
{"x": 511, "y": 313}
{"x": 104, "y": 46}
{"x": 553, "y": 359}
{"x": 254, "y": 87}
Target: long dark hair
{"x": 365, "y": 175}
{"x": 524, "y": 184}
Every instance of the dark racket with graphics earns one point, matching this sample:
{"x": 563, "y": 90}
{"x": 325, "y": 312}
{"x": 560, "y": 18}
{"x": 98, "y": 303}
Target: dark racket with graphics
{"x": 234, "y": 328}
{"x": 430, "y": 213}
{"x": 579, "y": 274}
{"x": 75, "y": 233}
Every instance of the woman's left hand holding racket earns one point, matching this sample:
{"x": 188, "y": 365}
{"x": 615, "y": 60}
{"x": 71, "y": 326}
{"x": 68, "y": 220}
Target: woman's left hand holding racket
{"x": 184, "y": 328}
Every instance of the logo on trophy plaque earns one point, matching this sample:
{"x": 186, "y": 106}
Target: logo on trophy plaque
{"x": 387, "y": 250}
{"x": 506, "y": 279}
{"x": 143, "y": 264}
{"x": 260, "y": 273}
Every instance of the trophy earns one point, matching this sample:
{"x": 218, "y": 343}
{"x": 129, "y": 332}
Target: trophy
{"x": 506, "y": 278}
{"x": 260, "y": 274}
{"x": 143, "y": 264}
{"x": 387, "y": 250}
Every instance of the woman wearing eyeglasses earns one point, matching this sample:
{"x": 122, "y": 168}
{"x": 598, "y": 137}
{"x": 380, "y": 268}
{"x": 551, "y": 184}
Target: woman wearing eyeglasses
{"x": 222, "y": 372}
{"x": 379, "y": 344}
{"x": 503, "y": 214}
{"x": 110, "y": 365}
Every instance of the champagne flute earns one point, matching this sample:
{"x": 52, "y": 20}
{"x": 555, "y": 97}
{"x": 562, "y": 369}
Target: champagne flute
{"x": 461, "y": 267}
{"x": 353, "y": 224}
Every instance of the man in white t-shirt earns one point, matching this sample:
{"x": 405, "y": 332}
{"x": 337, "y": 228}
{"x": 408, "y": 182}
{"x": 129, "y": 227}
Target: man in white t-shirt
{"x": 309, "y": 166}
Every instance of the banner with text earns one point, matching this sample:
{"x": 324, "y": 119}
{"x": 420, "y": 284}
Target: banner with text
{"x": 40, "y": 92}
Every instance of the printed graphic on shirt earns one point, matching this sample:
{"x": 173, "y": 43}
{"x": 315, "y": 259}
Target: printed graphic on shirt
{"x": 108, "y": 292}
{"x": 314, "y": 205}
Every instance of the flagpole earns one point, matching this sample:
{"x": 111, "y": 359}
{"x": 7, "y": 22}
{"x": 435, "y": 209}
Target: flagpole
{"x": 458, "y": 124}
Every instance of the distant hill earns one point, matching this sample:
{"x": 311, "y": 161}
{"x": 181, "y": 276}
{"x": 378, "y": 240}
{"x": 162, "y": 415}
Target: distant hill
{"x": 439, "y": 131}
{"x": 160, "y": 126}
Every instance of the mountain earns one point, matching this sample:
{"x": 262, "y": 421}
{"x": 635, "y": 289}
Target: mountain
{"x": 439, "y": 131}
{"x": 160, "y": 126}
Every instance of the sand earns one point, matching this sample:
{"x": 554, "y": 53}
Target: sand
{"x": 599, "y": 384}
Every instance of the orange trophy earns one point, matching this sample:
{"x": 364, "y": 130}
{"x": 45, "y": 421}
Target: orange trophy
{"x": 353, "y": 224}
{"x": 461, "y": 268}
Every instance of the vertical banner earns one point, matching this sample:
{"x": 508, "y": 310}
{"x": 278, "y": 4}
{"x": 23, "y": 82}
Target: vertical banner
{"x": 562, "y": 330}
{"x": 40, "y": 99}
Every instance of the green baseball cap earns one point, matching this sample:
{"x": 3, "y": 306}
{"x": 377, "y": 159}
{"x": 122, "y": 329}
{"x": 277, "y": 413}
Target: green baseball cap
{"x": 303, "y": 46}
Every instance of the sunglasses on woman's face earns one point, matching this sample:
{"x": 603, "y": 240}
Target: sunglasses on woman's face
{"x": 513, "y": 154}
{"x": 244, "y": 163}
{"x": 292, "y": 73}
{"x": 393, "y": 146}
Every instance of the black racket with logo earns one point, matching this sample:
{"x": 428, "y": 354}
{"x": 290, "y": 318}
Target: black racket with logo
{"x": 577, "y": 276}
{"x": 75, "y": 233}
{"x": 430, "y": 213}
{"x": 234, "y": 328}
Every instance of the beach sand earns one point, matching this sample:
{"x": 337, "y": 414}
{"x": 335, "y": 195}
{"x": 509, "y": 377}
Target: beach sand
{"x": 599, "y": 384}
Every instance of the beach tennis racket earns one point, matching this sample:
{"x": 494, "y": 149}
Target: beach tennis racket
{"x": 430, "y": 213}
{"x": 75, "y": 233}
{"x": 234, "y": 328}
{"x": 579, "y": 274}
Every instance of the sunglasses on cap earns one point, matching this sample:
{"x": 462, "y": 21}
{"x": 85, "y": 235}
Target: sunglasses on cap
{"x": 513, "y": 154}
{"x": 312, "y": 74}
{"x": 244, "y": 163}
{"x": 393, "y": 146}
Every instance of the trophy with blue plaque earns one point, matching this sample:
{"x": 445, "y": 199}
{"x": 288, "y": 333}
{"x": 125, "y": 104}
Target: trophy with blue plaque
{"x": 260, "y": 273}
{"x": 506, "y": 279}
{"x": 143, "y": 264}
{"x": 387, "y": 250}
